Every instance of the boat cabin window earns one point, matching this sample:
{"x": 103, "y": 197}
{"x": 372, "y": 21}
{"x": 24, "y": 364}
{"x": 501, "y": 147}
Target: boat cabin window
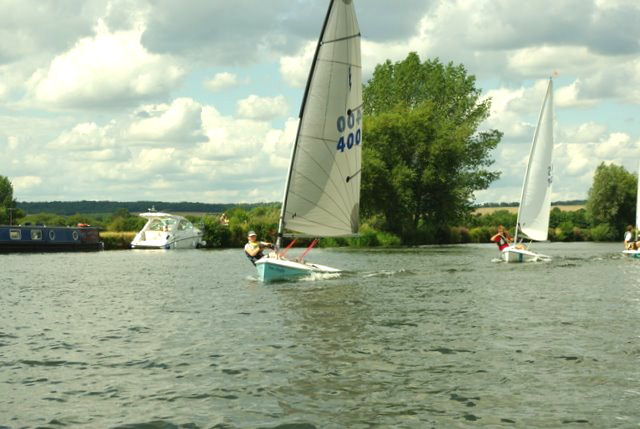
{"x": 15, "y": 234}
{"x": 36, "y": 234}
{"x": 156, "y": 225}
{"x": 184, "y": 224}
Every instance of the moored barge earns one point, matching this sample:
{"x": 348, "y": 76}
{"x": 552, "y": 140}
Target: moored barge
{"x": 41, "y": 238}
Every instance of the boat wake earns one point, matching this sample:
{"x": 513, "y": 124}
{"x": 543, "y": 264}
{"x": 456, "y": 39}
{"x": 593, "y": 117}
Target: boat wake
{"x": 385, "y": 273}
{"x": 319, "y": 276}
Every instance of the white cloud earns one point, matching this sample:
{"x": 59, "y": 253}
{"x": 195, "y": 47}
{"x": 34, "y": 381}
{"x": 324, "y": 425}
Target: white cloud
{"x": 110, "y": 68}
{"x": 12, "y": 142}
{"x": 22, "y": 183}
{"x": 617, "y": 146}
{"x": 179, "y": 122}
{"x": 262, "y": 108}
{"x": 570, "y": 96}
{"x": 221, "y": 81}
{"x": 589, "y": 132}
{"x": 295, "y": 68}
{"x": 515, "y": 111}
{"x": 84, "y": 137}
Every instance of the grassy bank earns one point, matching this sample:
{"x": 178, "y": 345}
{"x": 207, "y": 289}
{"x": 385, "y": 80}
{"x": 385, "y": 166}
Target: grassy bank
{"x": 116, "y": 240}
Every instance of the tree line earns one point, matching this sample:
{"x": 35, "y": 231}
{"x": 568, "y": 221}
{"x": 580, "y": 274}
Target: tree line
{"x": 100, "y": 207}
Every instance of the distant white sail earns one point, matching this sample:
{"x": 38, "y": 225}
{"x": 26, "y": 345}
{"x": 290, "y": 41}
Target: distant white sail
{"x": 638, "y": 203}
{"x": 535, "y": 204}
{"x": 323, "y": 185}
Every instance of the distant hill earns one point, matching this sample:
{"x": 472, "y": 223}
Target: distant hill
{"x": 96, "y": 207}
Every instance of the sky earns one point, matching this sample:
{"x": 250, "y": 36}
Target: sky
{"x": 197, "y": 101}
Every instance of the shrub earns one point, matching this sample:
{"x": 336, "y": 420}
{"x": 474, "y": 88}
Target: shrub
{"x": 117, "y": 240}
{"x": 603, "y": 232}
{"x": 387, "y": 239}
{"x": 367, "y": 237}
{"x": 214, "y": 233}
{"x": 481, "y": 234}
{"x": 332, "y": 242}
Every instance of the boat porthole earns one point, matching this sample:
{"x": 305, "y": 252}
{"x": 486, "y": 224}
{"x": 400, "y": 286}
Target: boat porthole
{"x": 74, "y": 234}
{"x": 52, "y": 235}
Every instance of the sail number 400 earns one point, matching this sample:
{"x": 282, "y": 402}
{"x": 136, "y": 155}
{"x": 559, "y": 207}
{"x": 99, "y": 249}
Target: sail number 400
{"x": 353, "y": 138}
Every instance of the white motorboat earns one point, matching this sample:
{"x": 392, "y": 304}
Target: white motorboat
{"x": 535, "y": 201}
{"x": 322, "y": 192}
{"x": 167, "y": 231}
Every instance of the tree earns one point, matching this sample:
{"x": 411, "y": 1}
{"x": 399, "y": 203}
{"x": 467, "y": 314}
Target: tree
{"x": 423, "y": 157}
{"x": 7, "y": 202}
{"x": 6, "y": 193}
{"x": 612, "y": 197}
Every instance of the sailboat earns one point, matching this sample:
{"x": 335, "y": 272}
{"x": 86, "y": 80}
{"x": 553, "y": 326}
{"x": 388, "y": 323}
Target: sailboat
{"x": 635, "y": 253}
{"x": 322, "y": 190}
{"x": 535, "y": 200}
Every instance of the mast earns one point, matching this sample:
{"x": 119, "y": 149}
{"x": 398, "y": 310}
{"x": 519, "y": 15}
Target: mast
{"x": 535, "y": 137}
{"x": 283, "y": 210}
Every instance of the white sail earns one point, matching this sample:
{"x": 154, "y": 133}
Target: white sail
{"x": 323, "y": 185}
{"x": 535, "y": 203}
{"x": 638, "y": 204}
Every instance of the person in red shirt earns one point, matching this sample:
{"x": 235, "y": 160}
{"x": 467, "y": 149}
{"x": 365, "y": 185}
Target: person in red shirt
{"x": 502, "y": 238}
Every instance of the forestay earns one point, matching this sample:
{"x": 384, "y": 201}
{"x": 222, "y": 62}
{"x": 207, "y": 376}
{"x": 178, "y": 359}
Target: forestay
{"x": 323, "y": 185}
{"x": 535, "y": 204}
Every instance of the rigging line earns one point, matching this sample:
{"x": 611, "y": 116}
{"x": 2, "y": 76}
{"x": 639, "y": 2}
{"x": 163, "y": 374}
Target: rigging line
{"x": 344, "y": 63}
{"x": 340, "y": 39}
{"x": 353, "y": 175}
{"x": 314, "y": 204}
{"x": 321, "y": 191}
{"x": 320, "y": 223}
{"x": 338, "y": 189}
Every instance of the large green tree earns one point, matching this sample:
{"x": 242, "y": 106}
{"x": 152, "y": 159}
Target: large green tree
{"x": 612, "y": 197}
{"x": 423, "y": 157}
{"x": 6, "y": 199}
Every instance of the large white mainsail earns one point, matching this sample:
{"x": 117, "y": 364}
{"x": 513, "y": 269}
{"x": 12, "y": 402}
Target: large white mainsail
{"x": 322, "y": 192}
{"x": 535, "y": 202}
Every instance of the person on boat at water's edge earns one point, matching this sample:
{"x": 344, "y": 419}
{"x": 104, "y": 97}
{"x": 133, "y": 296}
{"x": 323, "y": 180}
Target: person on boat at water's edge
{"x": 502, "y": 238}
{"x": 253, "y": 248}
{"x": 629, "y": 244}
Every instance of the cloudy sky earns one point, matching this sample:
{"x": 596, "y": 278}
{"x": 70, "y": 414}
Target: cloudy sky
{"x": 197, "y": 101}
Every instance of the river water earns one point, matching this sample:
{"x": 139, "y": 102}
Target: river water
{"x": 427, "y": 337}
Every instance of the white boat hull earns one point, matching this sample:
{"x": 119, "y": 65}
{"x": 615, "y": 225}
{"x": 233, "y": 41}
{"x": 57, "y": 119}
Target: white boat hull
{"x": 273, "y": 269}
{"x": 512, "y": 254}
{"x": 167, "y": 231}
{"x": 142, "y": 241}
{"x": 631, "y": 253}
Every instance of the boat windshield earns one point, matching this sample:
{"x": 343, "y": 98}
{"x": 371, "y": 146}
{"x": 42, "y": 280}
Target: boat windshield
{"x": 161, "y": 224}
{"x": 184, "y": 224}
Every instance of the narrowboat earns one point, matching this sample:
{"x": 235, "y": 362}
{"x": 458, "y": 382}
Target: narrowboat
{"x": 42, "y": 238}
